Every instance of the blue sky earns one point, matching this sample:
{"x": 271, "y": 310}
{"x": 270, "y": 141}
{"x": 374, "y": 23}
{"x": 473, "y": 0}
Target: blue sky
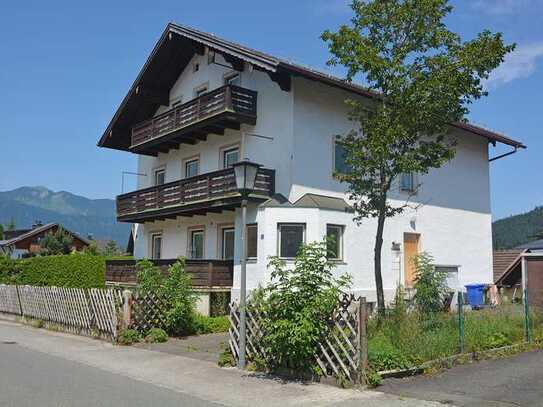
{"x": 66, "y": 65}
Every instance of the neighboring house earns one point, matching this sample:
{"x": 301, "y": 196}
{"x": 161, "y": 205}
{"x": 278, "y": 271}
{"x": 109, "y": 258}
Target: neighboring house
{"x": 201, "y": 103}
{"x": 23, "y": 242}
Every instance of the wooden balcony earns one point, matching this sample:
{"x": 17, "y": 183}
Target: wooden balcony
{"x": 213, "y": 112}
{"x": 211, "y": 192}
{"x": 204, "y": 273}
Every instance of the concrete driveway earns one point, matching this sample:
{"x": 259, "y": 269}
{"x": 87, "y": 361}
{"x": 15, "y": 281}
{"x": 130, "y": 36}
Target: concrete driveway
{"x": 51, "y": 369}
{"x": 514, "y": 381}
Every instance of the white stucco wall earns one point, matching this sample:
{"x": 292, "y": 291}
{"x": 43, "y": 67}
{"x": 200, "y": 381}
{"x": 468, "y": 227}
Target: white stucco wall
{"x": 298, "y": 129}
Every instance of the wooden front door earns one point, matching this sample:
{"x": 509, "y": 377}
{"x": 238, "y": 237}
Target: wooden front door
{"x": 410, "y": 250}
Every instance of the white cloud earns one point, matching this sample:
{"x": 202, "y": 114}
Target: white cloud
{"x": 521, "y": 63}
{"x": 500, "y": 7}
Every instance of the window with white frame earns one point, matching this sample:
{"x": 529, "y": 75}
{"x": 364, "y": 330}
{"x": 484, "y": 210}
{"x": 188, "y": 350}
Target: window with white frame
{"x": 192, "y": 167}
{"x": 227, "y": 239}
{"x": 334, "y": 242}
{"x": 291, "y": 236}
{"x": 156, "y": 245}
{"x": 230, "y": 156}
{"x": 160, "y": 176}
{"x": 197, "y": 241}
{"x": 252, "y": 241}
{"x": 233, "y": 79}
{"x": 407, "y": 182}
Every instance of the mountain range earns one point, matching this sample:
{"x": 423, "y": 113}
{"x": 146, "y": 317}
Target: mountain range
{"x": 518, "y": 229}
{"x": 81, "y": 215}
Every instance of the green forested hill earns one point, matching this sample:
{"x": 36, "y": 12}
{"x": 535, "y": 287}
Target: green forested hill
{"x": 519, "y": 229}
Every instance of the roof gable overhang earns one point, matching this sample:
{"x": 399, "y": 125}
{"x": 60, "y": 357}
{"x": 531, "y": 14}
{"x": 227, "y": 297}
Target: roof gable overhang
{"x": 174, "y": 50}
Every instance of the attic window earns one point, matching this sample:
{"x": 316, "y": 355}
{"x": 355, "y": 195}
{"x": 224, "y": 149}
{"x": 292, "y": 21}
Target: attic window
{"x": 196, "y": 67}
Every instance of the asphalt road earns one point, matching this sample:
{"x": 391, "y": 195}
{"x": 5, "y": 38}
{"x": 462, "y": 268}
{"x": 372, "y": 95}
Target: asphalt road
{"x": 514, "y": 381}
{"x": 31, "y": 378}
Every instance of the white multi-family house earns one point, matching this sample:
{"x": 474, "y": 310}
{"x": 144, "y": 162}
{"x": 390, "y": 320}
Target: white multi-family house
{"x": 201, "y": 103}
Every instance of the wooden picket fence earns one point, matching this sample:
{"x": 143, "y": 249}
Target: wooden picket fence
{"x": 342, "y": 353}
{"x": 81, "y": 311}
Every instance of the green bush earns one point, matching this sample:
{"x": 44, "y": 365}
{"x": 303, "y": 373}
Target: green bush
{"x": 176, "y": 291}
{"x": 210, "y": 325}
{"x": 430, "y": 285}
{"x": 128, "y": 337}
{"x": 156, "y": 335}
{"x": 219, "y": 303}
{"x": 297, "y": 305}
{"x": 75, "y": 270}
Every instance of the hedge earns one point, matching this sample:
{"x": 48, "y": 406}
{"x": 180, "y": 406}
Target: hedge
{"x": 73, "y": 270}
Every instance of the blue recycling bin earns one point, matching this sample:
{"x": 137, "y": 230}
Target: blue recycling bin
{"x": 476, "y": 295}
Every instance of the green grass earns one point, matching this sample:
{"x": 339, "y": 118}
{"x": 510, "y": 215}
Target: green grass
{"x": 407, "y": 340}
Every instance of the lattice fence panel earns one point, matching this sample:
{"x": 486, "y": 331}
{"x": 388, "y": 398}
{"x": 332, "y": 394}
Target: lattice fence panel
{"x": 339, "y": 352}
{"x": 9, "y": 301}
{"x": 148, "y": 311}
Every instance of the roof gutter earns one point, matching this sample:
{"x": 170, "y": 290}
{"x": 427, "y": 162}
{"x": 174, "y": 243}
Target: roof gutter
{"x": 504, "y": 155}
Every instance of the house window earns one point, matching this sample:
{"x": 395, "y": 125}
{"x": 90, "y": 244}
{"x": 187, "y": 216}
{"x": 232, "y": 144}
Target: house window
{"x": 230, "y": 157}
{"x": 407, "y": 182}
{"x": 200, "y": 91}
{"x": 340, "y": 166}
{"x": 195, "y": 67}
{"x": 156, "y": 245}
{"x": 178, "y": 101}
{"x": 252, "y": 241}
{"x": 160, "y": 176}
{"x": 228, "y": 238}
{"x": 334, "y": 242}
{"x": 196, "y": 250}
{"x": 291, "y": 238}
{"x": 233, "y": 79}
{"x": 192, "y": 168}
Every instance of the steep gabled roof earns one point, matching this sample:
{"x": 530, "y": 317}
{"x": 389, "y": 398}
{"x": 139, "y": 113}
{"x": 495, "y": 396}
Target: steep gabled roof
{"x": 173, "y": 51}
{"x": 38, "y": 230}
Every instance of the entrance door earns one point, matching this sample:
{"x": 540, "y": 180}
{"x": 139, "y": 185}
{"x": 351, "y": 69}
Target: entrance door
{"x": 227, "y": 250}
{"x": 410, "y": 250}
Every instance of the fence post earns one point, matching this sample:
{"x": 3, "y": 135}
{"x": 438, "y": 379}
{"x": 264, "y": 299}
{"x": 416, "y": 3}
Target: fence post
{"x": 19, "y": 300}
{"x": 461, "y": 320}
{"x": 127, "y": 309}
{"x": 362, "y": 335}
{"x": 525, "y": 302}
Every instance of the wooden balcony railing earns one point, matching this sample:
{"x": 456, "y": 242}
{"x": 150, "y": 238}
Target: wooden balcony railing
{"x": 204, "y": 273}
{"x": 228, "y": 98}
{"x": 203, "y": 189}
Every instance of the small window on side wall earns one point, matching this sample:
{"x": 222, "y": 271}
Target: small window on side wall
{"x": 252, "y": 241}
{"x": 291, "y": 236}
{"x": 340, "y": 166}
{"x": 334, "y": 242}
{"x": 407, "y": 182}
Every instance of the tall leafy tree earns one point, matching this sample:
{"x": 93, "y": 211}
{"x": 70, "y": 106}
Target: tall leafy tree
{"x": 59, "y": 242}
{"x": 424, "y": 77}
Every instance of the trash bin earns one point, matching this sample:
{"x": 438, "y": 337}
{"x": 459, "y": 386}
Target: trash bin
{"x": 476, "y": 295}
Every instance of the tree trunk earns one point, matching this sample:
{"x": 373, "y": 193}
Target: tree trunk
{"x": 377, "y": 261}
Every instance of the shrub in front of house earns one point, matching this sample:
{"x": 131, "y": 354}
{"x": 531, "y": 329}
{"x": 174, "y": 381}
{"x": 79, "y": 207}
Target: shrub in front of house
{"x": 175, "y": 290}
{"x": 156, "y": 335}
{"x": 296, "y": 307}
{"x": 128, "y": 337}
